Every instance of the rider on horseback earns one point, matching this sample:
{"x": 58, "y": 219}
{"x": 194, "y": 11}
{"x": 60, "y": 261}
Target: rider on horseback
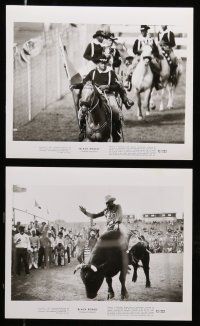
{"x": 166, "y": 40}
{"x": 140, "y": 42}
{"x": 111, "y": 52}
{"x": 105, "y": 80}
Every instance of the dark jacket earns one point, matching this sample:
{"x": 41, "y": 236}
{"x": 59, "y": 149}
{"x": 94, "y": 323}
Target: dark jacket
{"x": 93, "y": 52}
{"x": 167, "y": 38}
{"x": 104, "y": 78}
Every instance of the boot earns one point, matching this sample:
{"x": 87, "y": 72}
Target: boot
{"x": 127, "y": 102}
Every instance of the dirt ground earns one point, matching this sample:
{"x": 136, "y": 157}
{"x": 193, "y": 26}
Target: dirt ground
{"x": 60, "y": 283}
{"x": 58, "y": 122}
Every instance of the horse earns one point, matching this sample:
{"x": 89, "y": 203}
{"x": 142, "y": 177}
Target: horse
{"x": 166, "y": 79}
{"x": 142, "y": 81}
{"x": 97, "y": 108}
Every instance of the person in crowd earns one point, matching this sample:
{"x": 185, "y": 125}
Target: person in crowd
{"x": 92, "y": 239}
{"x": 22, "y": 245}
{"x": 107, "y": 82}
{"x": 126, "y": 72}
{"x": 51, "y": 247}
{"x": 95, "y": 48}
{"x": 43, "y": 254}
{"x": 67, "y": 245}
{"x": 36, "y": 226}
{"x": 59, "y": 250}
{"x": 34, "y": 244}
{"x": 80, "y": 246}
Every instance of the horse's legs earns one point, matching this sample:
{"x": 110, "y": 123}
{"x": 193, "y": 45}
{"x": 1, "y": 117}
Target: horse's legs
{"x": 147, "y": 101}
{"x": 161, "y": 108}
{"x": 145, "y": 263}
{"x": 116, "y": 121}
{"x": 111, "y": 293}
{"x": 151, "y": 101}
{"x": 134, "y": 278}
{"x": 170, "y": 89}
{"x": 122, "y": 278}
{"x": 139, "y": 105}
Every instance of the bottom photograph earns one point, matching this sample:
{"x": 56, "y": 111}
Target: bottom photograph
{"x": 98, "y": 243}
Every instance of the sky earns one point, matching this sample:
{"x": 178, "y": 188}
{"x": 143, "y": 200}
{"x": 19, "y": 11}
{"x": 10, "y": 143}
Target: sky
{"x": 62, "y": 202}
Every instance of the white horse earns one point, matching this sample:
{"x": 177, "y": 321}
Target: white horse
{"x": 142, "y": 81}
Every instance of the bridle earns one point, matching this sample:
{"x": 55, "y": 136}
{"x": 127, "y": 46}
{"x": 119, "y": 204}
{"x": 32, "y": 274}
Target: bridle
{"x": 92, "y": 107}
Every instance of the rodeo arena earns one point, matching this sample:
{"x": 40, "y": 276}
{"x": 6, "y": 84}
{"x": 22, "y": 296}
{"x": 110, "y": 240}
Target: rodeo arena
{"x": 56, "y": 259}
{"x": 78, "y": 82}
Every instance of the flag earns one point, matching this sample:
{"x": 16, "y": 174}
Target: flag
{"x": 72, "y": 74}
{"x": 37, "y": 205}
{"x": 18, "y": 189}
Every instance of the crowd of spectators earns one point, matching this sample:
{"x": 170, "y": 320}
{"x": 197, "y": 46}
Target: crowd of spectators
{"x": 41, "y": 245}
{"x": 165, "y": 236}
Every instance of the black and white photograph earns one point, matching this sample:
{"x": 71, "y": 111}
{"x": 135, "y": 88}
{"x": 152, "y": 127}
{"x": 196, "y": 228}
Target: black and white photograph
{"x": 99, "y": 82}
{"x": 98, "y": 243}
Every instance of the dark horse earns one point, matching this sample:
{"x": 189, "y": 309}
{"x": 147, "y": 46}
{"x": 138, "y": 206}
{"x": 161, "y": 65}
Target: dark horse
{"x": 100, "y": 126}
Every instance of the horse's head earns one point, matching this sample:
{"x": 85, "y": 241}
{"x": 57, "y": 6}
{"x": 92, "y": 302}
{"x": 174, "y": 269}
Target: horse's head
{"x": 146, "y": 55}
{"x": 88, "y": 95}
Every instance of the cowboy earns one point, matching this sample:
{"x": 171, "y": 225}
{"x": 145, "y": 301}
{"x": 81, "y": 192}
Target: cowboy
{"x": 140, "y": 42}
{"x": 112, "y": 212}
{"x": 144, "y": 39}
{"x": 95, "y": 48}
{"x": 111, "y": 52}
{"x": 166, "y": 40}
{"x": 107, "y": 83}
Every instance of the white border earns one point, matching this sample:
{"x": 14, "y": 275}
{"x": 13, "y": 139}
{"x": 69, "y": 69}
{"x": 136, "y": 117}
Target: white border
{"x": 98, "y": 177}
{"x": 110, "y": 15}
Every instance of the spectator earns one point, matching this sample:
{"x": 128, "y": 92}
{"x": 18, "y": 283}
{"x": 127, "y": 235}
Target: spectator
{"x": 35, "y": 244}
{"x": 22, "y": 245}
{"x": 43, "y": 255}
{"x": 59, "y": 250}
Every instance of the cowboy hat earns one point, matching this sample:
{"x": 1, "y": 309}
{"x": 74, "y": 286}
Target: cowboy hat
{"x": 109, "y": 198}
{"x": 99, "y": 33}
{"x": 144, "y": 27}
{"x": 102, "y": 58}
{"x": 129, "y": 58}
{"x": 111, "y": 36}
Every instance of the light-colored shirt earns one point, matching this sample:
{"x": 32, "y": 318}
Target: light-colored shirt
{"x": 35, "y": 242}
{"x": 22, "y": 241}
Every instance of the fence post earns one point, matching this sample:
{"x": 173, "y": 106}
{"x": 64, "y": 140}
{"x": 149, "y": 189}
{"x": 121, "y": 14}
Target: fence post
{"x": 29, "y": 88}
{"x": 58, "y": 65}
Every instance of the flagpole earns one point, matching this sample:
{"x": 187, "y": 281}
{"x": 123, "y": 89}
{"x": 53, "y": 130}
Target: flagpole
{"x": 62, "y": 51}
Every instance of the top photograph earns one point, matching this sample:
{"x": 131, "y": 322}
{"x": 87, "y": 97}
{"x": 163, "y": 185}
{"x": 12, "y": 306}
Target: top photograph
{"x": 99, "y": 82}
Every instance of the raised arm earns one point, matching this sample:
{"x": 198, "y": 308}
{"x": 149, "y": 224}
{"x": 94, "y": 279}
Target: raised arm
{"x": 83, "y": 210}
